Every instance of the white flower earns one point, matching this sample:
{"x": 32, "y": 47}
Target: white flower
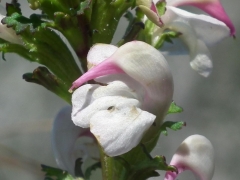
{"x": 196, "y": 154}
{"x": 197, "y": 31}
{"x": 135, "y": 90}
{"x": 8, "y": 34}
{"x": 212, "y": 7}
{"x": 70, "y": 142}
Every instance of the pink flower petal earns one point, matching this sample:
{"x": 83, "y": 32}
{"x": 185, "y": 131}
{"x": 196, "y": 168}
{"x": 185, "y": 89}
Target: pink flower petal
{"x": 105, "y": 68}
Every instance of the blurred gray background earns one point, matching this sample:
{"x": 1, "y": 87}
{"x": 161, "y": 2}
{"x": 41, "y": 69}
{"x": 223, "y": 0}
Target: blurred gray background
{"x": 211, "y": 108}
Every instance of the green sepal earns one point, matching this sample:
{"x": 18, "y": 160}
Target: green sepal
{"x": 6, "y": 47}
{"x": 2, "y": 44}
{"x": 148, "y": 167}
{"x": 174, "y": 108}
{"x": 171, "y": 125}
{"x": 78, "y": 168}
{"x": 166, "y": 36}
{"x": 84, "y": 6}
{"x": 52, "y": 173}
{"x": 132, "y": 33}
{"x": 90, "y": 169}
{"x": 135, "y": 26}
{"x": 43, "y": 77}
{"x": 132, "y": 21}
{"x": 161, "y": 7}
{"x": 13, "y": 7}
{"x": 49, "y": 7}
{"x": 136, "y": 164}
{"x": 129, "y": 16}
{"x": 146, "y": 34}
{"x": 150, "y": 29}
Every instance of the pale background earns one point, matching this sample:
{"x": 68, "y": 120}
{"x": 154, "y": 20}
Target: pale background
{"x": 211, "y": 108}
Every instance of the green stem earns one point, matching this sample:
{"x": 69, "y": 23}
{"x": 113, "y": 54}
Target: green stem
{"x": 107, "y": 165}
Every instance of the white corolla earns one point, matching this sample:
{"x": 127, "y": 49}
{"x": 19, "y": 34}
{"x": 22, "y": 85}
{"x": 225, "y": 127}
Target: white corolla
{"x": 131, "y": 91}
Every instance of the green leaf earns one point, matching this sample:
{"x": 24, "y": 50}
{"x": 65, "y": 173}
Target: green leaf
{"x": 171, "y": 125}
{"x": 174, "y": 108}
{"x": 50, "y": 7}
{"x": 43, "y": 77}
{"x": 78, "y": 168}
{"x": 147, "y": 168}
{"x": 89, "y": 170}
{"x": 55, "y": 173}
{"x": 129, "y": 16}
{"x": 6, "y": 47}
{"x": 42, "y": 45}
{"x": 13, "y": 7}
{"x": 136, "y": 164}
{"x": 21, "y": 23}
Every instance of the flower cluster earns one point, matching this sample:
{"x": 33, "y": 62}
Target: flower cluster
{"x": 119, "y": 103}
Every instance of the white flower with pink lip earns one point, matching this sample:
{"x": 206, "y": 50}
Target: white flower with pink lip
{"x": 134, "y": 90}
{"x": 198, "y": 32}
{"x": 196, "y": 154}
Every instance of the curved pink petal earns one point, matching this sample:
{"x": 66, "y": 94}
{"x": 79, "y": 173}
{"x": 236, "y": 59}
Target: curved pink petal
{"x": 106, "y": 67}
{"x": 212, "y": 7}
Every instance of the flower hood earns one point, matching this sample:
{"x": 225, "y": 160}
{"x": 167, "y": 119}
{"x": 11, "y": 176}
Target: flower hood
{"x": 195, "y": 154}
